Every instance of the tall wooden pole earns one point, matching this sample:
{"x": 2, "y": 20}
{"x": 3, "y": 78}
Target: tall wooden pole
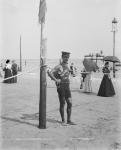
{"x": 43, "y": 84}
{"x": 114, "y": 52}
{"x": 20, "y": 56}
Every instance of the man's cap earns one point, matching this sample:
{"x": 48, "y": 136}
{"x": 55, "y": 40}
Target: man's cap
{"x": 7, "y": 61}
{"x": 65, "y": 53}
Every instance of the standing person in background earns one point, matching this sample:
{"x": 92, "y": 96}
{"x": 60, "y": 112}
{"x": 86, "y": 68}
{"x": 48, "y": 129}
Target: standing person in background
{"x": 25, "y": 63}
{"x": 106, "y": 88}
{"x": 8, "y": 72}
{"x": 83, "y": 76}
{"x": 14, "y": 71}
{"x": 60, "y": 74}
{"x": 73, "y": 69}
{"x": 1, "y": 70}
{"x": 87, "y": 83}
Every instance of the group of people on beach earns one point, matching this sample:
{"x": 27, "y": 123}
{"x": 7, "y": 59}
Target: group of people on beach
{"x": 60, "y": 74}
{"x": 10, "y": 71}
{"x": 106, "y": 88}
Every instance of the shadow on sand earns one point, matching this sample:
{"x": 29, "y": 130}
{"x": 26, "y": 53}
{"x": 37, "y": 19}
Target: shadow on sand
{"x": 29, "y": 117}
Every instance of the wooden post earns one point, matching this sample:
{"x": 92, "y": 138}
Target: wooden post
{"x": 20, "y": 56}
{"x": 43, "y": 84}
{"x": 114, "y": 53}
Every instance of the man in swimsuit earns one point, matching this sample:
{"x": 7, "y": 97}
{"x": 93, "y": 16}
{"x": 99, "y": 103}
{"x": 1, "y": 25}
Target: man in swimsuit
{"x": 60, "y": 74}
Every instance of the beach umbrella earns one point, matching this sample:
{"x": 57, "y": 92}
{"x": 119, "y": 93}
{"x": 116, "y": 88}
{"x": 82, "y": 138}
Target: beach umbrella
{"x": 90, "y": 65}
{"x": 113, "y": 59}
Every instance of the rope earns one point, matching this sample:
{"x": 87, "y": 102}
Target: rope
{"x": 10, "y": 77}
{"x": 18, "y": 75}
{"x": 41, "y": 66}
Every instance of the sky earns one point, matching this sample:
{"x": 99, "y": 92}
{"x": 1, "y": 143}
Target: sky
{"x": 77, "y": 26}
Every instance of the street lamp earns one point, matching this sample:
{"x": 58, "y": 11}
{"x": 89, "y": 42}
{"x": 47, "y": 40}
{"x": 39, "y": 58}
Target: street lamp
{"x": 114, "y": 29}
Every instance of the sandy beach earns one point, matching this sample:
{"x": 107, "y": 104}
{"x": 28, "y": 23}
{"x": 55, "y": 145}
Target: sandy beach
{"x": 78, "y": 36}
{"x": 97, "y": 118}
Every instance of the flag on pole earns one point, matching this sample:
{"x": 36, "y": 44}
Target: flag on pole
{"x": 42, "y": 11}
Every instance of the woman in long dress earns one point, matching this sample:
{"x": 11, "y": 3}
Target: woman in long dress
{"x": 8, "y": 72}
{"x": 14, "y": 71}
{"x": 106, "y": 88}
{"x": 87, "y": 83}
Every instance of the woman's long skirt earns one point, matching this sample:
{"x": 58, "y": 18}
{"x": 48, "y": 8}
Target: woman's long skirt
{"x": 8, "y": 74}
{"x": 106, "y": 88}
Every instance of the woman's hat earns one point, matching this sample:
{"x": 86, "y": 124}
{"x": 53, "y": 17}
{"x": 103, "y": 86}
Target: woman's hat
{"x": 106, "y": 63}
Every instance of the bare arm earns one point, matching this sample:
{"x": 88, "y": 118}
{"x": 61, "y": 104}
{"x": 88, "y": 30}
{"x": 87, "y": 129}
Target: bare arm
{"x": 51, "y": 75}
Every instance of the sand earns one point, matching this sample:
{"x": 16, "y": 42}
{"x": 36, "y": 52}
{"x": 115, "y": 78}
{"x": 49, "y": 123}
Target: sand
{"x": 97, "y": 118}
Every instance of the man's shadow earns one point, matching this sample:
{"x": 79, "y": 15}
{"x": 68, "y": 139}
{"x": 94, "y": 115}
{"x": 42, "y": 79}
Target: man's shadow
{"x": 36, "y": 117}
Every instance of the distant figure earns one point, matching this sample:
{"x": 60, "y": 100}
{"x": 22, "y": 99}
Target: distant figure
{"x": 73, "y": 70}
{"x": 106, "y": 88}
{"x": 8, "y": 72}
{"x": 87, "y": 83}
{"x": 1, "y": 70}
{"x": 25, "y": 63}
{"x": 18, "y": 68}
{"x": 1, "y": 65}
{"x": 60, "y": 74}
{"x": 14, "y": 71}
{"x": 83, "y": 76}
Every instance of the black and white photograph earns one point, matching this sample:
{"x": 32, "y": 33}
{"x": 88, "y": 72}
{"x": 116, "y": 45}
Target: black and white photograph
{"x": 60, "y": 74}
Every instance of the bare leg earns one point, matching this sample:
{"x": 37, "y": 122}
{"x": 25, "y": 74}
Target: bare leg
{"x": 69, "y": 107}
{"x": 62, "y": 112}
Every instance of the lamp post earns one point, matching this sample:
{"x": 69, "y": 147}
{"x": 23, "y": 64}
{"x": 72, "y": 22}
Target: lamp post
{"x": 114, "y": 29}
